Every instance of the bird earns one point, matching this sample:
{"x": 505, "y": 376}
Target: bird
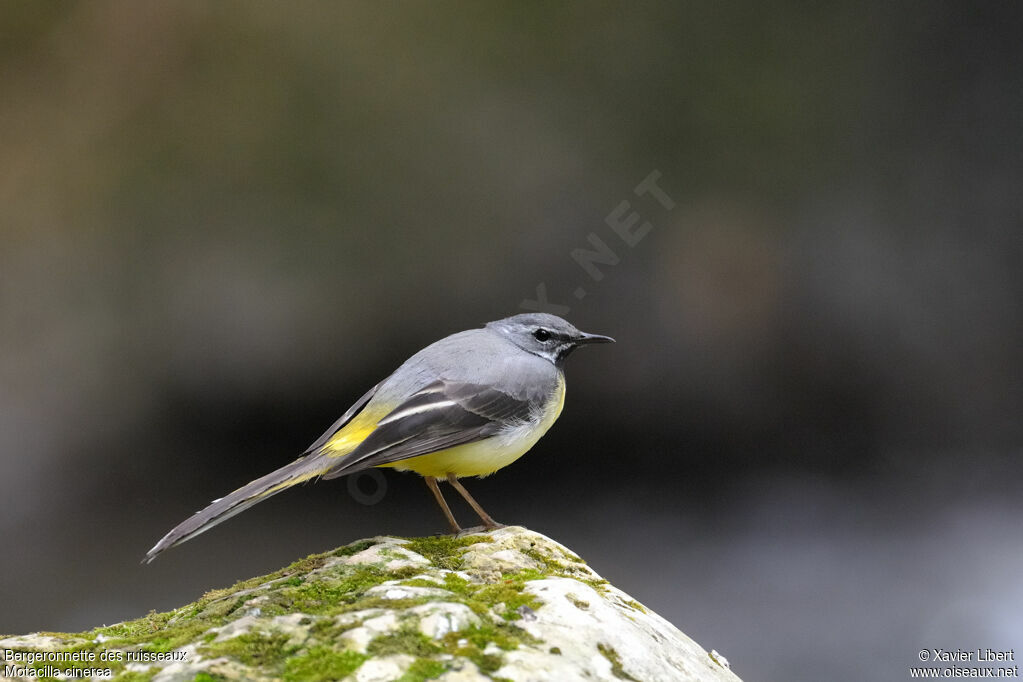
{"x": 466, "y": 405}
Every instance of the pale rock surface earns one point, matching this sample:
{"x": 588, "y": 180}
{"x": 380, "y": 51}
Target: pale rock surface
{"x": 505, "y": 605}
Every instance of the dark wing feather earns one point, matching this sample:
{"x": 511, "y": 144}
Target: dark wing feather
{"x": 442, "y": 415}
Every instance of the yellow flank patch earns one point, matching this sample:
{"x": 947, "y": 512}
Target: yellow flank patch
{"x": 356, "y": 431}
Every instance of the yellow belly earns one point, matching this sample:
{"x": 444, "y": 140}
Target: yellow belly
{"x": 487, "y": 456}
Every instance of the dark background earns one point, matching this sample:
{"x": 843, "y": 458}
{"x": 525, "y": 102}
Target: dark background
{"x": 222, "y": 222}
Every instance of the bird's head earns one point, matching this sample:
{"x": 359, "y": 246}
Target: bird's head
{"x": 545, "y": 335}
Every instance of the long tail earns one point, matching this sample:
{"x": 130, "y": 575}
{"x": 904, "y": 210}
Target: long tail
{"x": 302, "y": 469}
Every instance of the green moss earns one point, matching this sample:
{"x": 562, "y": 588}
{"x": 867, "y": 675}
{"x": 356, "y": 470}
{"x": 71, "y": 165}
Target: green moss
{"x": 405, "y": 572}
{"x": 220, "y": 608}
{"x": 329, "y": 630}
{"x": 333, "y": 594}
{"x": 549, "y": 565}
{"x": 556, "y": 651}
{"x": 599, "y": 586}
{"x": 170, "y": 630}
{"x": 354, "y": 548}
{"x": 442, "y": 550}
{"x": 457, "y": 584}
{"x": 573, "y": 558}
{"x": 300, "y": 567}
{"x": 510, "y": 592}
{"x": 341, "y": 589}
{"x": 287, "y": 590}
{"x": 420, "y": 582}
{"x": 471, "y": 642}
{"x": 253, "y": 648}
{"x": 405, "y": 640}
{"x": 378, "y": 603}
{"x": 615, "y": 660}
{"x": 573, "y": 568}
{"x": 207, "y": 677}
{"x": 423, "y": 669}
{"x": 135, "y": 629}
{"x": 172, "y": 638}
{"x": 395, "y": 553}
{"x": 506, "y": 637}
{"x": 321, "y": 664}
{"x": 316, "y": 596}
{"x": 634, "y": 605}
{"x": 481, "y": 598}
{"x": 553, "y": 567}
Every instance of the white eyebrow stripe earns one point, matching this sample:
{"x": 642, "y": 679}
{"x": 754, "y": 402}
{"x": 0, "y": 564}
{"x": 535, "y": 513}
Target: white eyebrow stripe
{"x": 408, "y": 412}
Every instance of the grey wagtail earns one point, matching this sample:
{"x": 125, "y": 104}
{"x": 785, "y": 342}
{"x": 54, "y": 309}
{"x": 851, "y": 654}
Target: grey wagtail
{"x": 466, "y": 405}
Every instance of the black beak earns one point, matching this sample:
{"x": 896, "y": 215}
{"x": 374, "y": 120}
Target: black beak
{"x": 585, "y": 338}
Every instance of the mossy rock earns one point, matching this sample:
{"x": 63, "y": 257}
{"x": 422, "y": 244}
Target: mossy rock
{"x": 509, "y": 604}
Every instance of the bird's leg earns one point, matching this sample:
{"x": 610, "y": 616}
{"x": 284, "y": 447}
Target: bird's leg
{"x": 488, "y": 523}
{"x": 431, "y": 483}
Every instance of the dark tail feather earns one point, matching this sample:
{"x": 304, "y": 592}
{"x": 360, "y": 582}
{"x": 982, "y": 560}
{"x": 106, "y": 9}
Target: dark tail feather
{"x": 302, "y": 469}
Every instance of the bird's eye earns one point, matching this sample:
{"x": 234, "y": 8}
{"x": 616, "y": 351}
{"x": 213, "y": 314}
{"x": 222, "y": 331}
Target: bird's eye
{"x": 541, "y": 335}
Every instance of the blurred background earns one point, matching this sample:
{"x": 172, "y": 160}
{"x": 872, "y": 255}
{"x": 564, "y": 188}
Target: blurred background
{"x": 223, "y": 222}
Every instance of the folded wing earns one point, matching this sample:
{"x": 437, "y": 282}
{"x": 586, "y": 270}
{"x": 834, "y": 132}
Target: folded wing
{"x": 441, "y": 415}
